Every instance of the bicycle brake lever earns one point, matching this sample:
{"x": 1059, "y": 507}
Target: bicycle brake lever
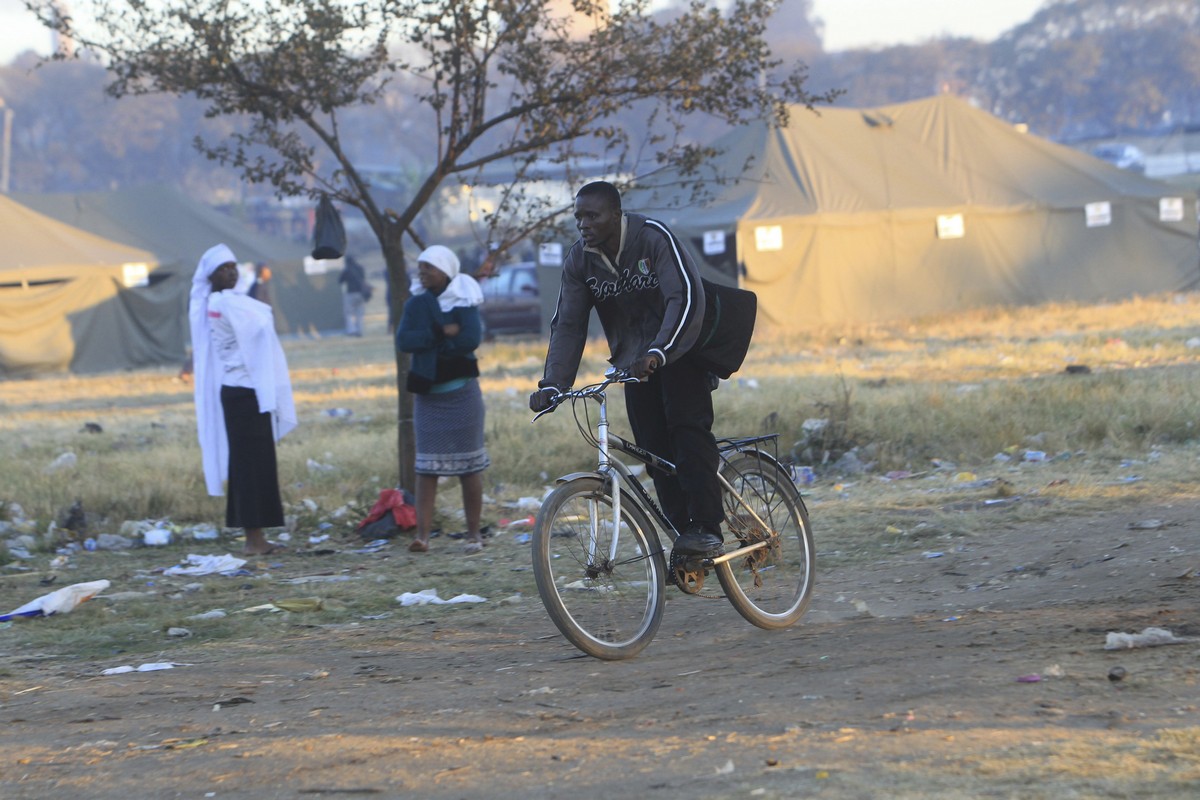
{"x": 555, "y": 402}
{"x": 615, "y": 375}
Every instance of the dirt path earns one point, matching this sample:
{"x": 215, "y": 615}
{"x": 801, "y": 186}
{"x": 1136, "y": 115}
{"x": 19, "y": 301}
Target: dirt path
{"x": 902, "y": 680}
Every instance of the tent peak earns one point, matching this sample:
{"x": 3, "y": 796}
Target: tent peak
{"x": 877, "y": 119}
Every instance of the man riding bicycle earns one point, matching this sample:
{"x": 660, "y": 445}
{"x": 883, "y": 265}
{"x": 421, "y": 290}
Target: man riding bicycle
{"x": 651, "y": 302}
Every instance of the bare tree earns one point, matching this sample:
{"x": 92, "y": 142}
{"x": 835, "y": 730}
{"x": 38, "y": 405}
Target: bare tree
{"x": 521, "y": 81}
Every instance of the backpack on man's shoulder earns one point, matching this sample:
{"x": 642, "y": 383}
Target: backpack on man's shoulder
{"x": 728, "y": 327}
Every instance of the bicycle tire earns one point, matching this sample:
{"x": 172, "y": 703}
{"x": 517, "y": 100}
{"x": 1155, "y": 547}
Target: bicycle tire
{"x": 610, "y": 608}
{"x": 772, "y": 586}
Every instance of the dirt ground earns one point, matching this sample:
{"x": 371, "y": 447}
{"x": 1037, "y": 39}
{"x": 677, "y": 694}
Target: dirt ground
{"x": 903, "y": 680}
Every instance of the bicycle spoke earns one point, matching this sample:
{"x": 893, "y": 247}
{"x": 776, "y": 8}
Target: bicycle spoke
{"x": 770, "y": 585}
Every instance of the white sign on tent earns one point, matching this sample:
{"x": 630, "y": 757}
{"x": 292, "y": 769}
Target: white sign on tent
{"x": 1098, "y": 214}
{"x": 768, "y": 238}
{"x": 134, "y": 275}
{"x": 550, "y": 254}
{"x": 1170, "y": 209}
{"x": 951, "y": 226}
{"x": 714, "y": 243}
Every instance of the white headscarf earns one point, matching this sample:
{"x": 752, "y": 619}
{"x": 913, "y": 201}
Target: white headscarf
{"x": 265, "y": 361}
{"x": 462, "y": 291}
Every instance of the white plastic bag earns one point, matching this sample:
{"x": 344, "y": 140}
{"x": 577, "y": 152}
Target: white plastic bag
{"x": 430, "y": 597}
{"x": 60, "y": 601}
{"x": 1149, "y": 637}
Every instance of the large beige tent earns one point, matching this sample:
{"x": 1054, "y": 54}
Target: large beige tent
{"x": 178, "y": 229}
{"x": 857, "y": 215}
{"x": 73, "y": 300}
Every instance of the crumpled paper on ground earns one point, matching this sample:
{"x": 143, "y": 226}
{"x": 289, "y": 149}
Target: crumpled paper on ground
{"x": 430, "y": 597}
{"x": 1149, "y": 637}
{"x": 207, "y": 565}
{"x": 60, "y": 601}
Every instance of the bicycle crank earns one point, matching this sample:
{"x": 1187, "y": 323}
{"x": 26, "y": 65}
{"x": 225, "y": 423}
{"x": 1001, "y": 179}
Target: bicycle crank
{"x": 687, "y": 572}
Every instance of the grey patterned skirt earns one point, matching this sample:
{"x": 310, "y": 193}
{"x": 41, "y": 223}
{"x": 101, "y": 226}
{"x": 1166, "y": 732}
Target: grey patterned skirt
{"x": 449, "y": 431}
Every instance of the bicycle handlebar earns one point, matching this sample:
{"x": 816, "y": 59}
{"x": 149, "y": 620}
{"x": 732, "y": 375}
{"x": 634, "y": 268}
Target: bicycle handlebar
{"x": 592, "y": 390}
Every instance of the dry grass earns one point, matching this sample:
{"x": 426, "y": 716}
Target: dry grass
{"x": 938, "y": 398}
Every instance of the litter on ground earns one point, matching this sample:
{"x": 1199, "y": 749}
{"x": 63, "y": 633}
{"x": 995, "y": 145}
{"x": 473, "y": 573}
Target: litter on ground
{"x": 207, "y": 565}
{"x": 60, "y": 601}
{"x": 153, "y": 667}
{"x": 1149, "y": 637}
{"x": 430, "y": 597}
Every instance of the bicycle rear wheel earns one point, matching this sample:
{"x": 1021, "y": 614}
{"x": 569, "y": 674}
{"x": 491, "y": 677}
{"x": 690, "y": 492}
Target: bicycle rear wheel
{"x": 606, "y": 599}
{"x": 770, "y": 586}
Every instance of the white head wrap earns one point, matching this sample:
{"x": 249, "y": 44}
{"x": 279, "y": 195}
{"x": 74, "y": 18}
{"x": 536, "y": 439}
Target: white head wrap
{"x": 206, "y": 383}
{"x": 264, "y": 359}
{"x": 461, "y": 291}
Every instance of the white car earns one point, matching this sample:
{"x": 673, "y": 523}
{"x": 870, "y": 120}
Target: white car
{"x": 1121, "y": 154}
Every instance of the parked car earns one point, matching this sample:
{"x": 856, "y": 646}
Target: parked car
{"x": 511, "y": 303}
{"x": 1121, "y": 154}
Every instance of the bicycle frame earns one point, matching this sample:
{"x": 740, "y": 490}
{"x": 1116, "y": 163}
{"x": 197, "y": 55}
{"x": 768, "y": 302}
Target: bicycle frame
{"x": 618, "y": 473}
{"x": 606, "y": 597}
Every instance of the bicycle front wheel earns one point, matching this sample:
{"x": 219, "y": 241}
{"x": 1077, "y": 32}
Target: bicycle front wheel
{"x": 770, "y": 586}
{"x": 602, "y": 583}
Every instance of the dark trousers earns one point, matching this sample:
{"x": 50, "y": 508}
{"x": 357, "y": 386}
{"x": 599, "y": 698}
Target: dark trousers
{"x": 252, "y": 497}
{"x": 672, "y": 417}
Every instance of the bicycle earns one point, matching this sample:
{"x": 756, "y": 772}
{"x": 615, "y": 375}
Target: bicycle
{"x": 599, "y": 563}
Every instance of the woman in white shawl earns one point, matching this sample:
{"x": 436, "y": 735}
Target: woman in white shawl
{"x": 243, "y": 397}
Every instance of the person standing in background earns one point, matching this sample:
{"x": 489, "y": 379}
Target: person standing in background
{"x": 243, "y": 397}
{"x": 355, "y": 294}
{"x": 441, "y": 328}
{"x": 261, "y": 291}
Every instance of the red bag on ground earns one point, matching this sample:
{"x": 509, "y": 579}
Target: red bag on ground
{"x": 403, "y": 514}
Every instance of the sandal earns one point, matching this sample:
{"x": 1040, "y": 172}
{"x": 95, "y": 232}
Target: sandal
{"x": 273, "y": 549}
{"x": 471, "y": 548}
{"x": 484, "y": 533}
{"x": 417, "y": 546}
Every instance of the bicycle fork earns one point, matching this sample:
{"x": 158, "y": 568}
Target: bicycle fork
{"x": 614, "y": 476}
{"x": 595, "y": 520}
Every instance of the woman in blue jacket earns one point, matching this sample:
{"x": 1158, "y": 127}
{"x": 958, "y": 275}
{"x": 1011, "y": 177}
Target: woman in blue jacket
{"x": 441, "y": 329}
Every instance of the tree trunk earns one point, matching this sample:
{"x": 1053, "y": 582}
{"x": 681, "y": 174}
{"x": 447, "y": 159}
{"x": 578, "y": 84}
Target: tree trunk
{"x": 406, "y": 446}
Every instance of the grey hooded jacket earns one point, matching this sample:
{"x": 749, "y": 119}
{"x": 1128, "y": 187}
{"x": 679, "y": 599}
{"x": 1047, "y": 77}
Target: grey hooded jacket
{"x": 650, "y": 301}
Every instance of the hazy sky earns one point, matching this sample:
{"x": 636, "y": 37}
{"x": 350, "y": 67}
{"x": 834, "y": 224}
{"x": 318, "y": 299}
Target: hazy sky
{"x": 19, "y": 31}
{"x": 848, "y": 23}
{"x": 865, "y": 23}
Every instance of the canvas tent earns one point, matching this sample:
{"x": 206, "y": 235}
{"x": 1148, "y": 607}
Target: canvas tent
{"x": 858, "y": 215}
{"x": 178, "y": 229}
{"x": 73, "y": 300}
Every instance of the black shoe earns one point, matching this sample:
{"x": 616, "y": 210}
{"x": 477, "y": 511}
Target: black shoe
{"x": 698, "y": 542}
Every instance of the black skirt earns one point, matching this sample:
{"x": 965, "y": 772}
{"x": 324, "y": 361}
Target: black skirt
{"x": 252, "y": 495}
